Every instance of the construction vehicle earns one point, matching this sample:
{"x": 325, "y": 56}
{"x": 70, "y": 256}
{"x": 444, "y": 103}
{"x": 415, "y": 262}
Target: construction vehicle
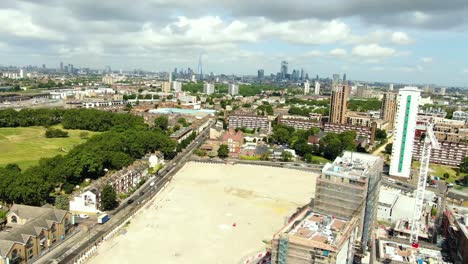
{"x": 429, "y": 142}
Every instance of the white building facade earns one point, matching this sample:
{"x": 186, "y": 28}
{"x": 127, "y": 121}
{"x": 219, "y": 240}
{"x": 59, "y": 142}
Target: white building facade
{"x": 233, "y": 89}
{"x": 208, "y": 88}
{"x": 306, "y": 87}
{"x": 177, "y": 86}
{"x": 405, "y": 127}
{"x": 317, "y": 88}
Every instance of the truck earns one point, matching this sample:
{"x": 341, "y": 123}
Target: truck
{"x": 103, "y": 218}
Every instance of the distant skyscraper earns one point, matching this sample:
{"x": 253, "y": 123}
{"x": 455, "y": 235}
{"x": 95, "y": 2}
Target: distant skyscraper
{"x": 405, "y": 126}
{"x": 361, "y": 90}
{"x": 306, "y": 87}
{"x": 339, "y": 103}
{"x": 208, "y": 88}
{"x": 233, "y": 89}
{"x": 284, "y": 69}
{"x": 200, "y": 68}
{"x": 177, "y": 86}
{"x": 170, "y": 77}
{"x": 22, "y": 73}
{"x": 317, "y": 88}
{"x": 302, "y": 74}
{"x": 388, "y": 108}
{"x": 442, "y": 91}
{"x": 336, "y": 79}
{"x": 61, "y": 66}
{"x": 344, "y": 78}
{"x": 390, "y": 87}
{"x": 44, "y": 66}
{"x": 427, "y": 89}
{"x": 260, "y": 74}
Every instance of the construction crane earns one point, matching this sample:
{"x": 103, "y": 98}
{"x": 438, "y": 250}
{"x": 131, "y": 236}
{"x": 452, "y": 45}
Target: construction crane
{"x": 429, "y": 142}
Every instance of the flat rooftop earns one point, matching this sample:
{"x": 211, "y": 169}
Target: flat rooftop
{"x": 406, "y": 253}
{"x": 353, "y": 165}
{"x": 321, "y": 230}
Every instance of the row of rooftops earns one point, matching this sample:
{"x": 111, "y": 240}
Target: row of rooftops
{"x": 35, "y": 220}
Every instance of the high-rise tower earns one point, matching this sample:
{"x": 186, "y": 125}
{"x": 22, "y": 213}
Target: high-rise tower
{"x": 339, "y": 103}
{"x": 404, "y": 129}
{"x": 388, "y": 108}
{"x": 284, "y": 69}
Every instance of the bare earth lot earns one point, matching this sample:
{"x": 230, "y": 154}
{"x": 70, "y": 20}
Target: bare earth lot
{"x": 191, "y": 221}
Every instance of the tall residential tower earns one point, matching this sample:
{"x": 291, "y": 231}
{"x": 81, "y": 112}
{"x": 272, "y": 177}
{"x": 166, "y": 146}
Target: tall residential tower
{"x": 388, "y": 108}
{"x": 339, "y": 103}
{"x": 405, "y": 126}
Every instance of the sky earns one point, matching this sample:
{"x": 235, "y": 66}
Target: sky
{"x": 399, "y": 41}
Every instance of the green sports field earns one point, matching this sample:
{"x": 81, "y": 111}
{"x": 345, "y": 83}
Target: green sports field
{"x": 26, "y": 145}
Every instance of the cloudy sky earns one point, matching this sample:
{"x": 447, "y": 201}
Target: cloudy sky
{"x": 411, "y": 41}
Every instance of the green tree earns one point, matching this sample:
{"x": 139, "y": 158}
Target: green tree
{"x": 108, "y": 198}
{"x": 464, "y": 165}
{"x": 62, "y": 202}
{"x": 446, "y": 175}
{"x": 223, "y": 151}
{"x": 162, "y": 122}
{"x": 388, "y": 148}
{"x": 380, "y": 134}
{"x": 84, "y": 135}
{"x": 3, "y": 215}
{"x": 286, "y": 156}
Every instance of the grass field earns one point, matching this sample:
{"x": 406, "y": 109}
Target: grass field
{"x": 26, "y": 145}
{"x": 439, "y": 170}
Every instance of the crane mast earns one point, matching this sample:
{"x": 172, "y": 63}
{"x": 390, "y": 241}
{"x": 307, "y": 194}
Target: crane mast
{"x": 429, "y": 142}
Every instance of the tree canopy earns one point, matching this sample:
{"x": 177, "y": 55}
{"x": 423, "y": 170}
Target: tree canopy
{"x": 108, "y": 198}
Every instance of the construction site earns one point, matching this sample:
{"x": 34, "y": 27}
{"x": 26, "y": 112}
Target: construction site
{"x": 211, "y": 213}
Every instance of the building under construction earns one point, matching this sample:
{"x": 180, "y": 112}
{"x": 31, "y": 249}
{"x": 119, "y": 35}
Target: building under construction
{"x": 349, "y": 187}
{"x": 311, "y": 237}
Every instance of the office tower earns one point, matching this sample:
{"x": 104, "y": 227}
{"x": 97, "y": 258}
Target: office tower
{"x": 307, "y": 76}
{"x": 390, "y": 87}
{"x": 388, "y": 108}
{"x": 349, "y": 187}
{"x": 427, "y": 89}
{"x": 336, "y": 79}
{"x": 360, "y": 90}
{"x": 208, "y": 88}
{"x": 61, "y": 66}
{"x": 317, "y": 88}
{"x": 339, "y": 103}
{"x": 233, "y": 89}
{"x": 302, "y": 74}
{"x": 306, "y": 87}
{"x": 44, "y": 66}
{"x": 166, "y": 87}
{"x": 344, "y": 78}
{"x": 442, "y": 91}
{"x": 260, "y": 74}
{"x": 284, "y": 69}
{"x": 177, "y": 86}
{"x": 404, "y": 129}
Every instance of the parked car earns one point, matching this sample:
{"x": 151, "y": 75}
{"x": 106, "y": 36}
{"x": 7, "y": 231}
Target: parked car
{"x": 84, "y": 216}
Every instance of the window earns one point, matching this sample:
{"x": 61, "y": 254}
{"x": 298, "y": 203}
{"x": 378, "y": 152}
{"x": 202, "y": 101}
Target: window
{"x": 14, "y": 219}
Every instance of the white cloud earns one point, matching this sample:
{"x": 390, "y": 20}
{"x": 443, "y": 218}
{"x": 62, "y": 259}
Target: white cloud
{"x": 337, "y": 52}
{"x": 408, "y": 69}
{"x": 377, "y": 68}
{"x": 427, "y": 60}
{"x": 373, "y": 50}
{"x": 420, "y": 18}
{"x": 465, "y": 71}
{"x": 19, "y": 24}
{"x": 401, "y": 38}
{"x": 314, "y": 53}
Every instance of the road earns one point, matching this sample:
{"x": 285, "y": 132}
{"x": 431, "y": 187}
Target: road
{"x": 382, "y": 148}
{"x": 70, "y": 248}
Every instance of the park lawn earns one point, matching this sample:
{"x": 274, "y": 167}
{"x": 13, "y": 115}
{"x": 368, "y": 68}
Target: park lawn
{"x": 319, "y": 160}
{"x": 26, "y": 145}
{"x": 439, "y": 170}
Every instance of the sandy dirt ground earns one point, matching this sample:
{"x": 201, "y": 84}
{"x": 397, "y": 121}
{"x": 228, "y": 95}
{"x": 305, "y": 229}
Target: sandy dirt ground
{"x": 192, "y": 220}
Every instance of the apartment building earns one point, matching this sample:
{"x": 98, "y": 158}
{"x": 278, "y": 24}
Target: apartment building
{"x": 234, "y": 141}
{"x": 361, "y": 131}
{"x": 405, "y": 127}
{"x": 388, "y": 108}
{"x": 455, "y": 232}
{"x": 349, "y": 187}
{"x": 339, "y": 103}
{"x": 31, "y": 231}
{"x": 312, "y": 237}
{"x": 299, "y": 122}
{"x": 250, "y": 120}
{"x": 233, "y": 89}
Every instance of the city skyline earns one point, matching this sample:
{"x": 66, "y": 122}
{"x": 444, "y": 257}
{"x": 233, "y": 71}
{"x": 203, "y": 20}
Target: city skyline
{"x": 401, "y": 42}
